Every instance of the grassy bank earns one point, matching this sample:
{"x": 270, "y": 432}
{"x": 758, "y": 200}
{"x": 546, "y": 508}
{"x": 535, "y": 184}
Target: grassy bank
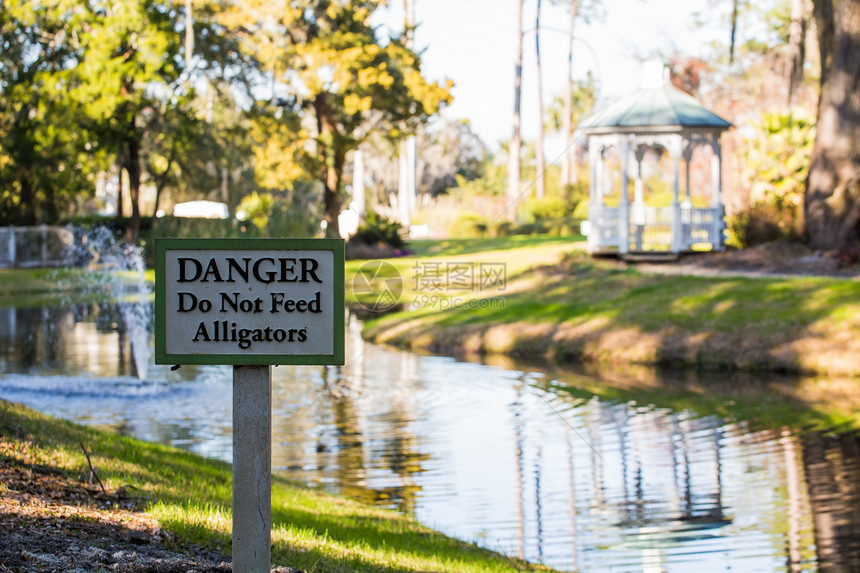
{"x": 191, "y": 498}
{"x": 560, "y": 304}
{"x": 45, "y": 287}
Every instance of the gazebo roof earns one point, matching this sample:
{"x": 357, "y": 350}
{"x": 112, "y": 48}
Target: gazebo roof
{"x": 658, "y": 104}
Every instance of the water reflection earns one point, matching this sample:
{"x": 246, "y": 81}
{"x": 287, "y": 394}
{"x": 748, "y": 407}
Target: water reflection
{"x": 90, "y": 338}
{"x": 596, "y": 471}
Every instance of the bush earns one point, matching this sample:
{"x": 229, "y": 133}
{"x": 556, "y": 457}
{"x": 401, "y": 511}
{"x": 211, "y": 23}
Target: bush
{"x": 468, "y": 225}
{"x": 545, "y": 209}
{"x": 581, "y": 210}
{"x": 757, "y": 225}
{"x": 117, "y": 225}
{"x": 255, "y": 208}
{"x": 375, "y": 228}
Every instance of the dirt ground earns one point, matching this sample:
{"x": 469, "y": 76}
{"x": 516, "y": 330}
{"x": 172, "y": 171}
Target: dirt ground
{"x": 50, "y": 522}
{"x": 771, "y": 259}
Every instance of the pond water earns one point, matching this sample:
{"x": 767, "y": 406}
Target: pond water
{"x": 525, "y": 461}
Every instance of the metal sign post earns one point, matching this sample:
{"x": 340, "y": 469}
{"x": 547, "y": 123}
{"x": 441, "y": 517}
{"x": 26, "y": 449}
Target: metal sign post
{"x": 251, "y": 303}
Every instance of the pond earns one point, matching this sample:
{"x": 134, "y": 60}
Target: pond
{"x": 580, "y": 471}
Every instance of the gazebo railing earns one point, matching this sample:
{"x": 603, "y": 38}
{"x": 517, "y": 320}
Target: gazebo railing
{"x": 700, "y": 226}
{"x": 604, "y": 230}
{"x": 651, "y": 228}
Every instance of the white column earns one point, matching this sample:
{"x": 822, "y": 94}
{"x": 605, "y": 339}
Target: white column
{"x": 412, "y": 173}
{"x": 12, "y": 248}
{"x": 403, "y": 189}
{"x": 358, "y": 201}
{"x": 595, "y": 159}
{"x": 639, "y": 198}
{"x": 43, "y": 251}
{"x": 624, "y": 205}
{"x": 717, "y": 195}
{"x": 688, "y": 157}
{"x": 716, "y": 176}
{"x": 675, "y": 152}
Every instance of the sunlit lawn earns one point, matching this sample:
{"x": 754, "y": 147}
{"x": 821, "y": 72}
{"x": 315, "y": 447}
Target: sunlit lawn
{"x": 585, "y": 308}
{"x": 191, "y": 497}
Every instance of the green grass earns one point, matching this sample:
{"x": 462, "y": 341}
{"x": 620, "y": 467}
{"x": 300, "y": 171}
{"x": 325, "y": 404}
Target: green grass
{"x": 40, "y": 287}
{"x": 559, "y": 303}
{"x": 454, "y": 247}
{"x": 191, "y": 497}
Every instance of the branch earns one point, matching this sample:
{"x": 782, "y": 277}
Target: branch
{"x": 92, "y": 469}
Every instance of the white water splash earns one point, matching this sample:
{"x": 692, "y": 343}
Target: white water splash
{"x": 122, "y": 270}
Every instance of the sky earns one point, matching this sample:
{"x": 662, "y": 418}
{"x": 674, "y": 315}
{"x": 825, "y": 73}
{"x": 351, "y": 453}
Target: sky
{"x": 473, "y": 42}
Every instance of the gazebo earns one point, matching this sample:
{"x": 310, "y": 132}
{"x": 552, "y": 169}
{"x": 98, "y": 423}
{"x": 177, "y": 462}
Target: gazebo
{"x": 627, "y": 141}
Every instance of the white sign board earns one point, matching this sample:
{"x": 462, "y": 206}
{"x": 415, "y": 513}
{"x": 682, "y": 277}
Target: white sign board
{"x": 249, "y": 301}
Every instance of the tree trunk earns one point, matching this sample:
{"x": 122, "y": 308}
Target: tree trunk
{"x": 568, "y": 174}
{"x": 540, "y": 180}
{"x": 120, "y": 165}
{"x": 28, "y": 199}
{"x": 133, "y": 168}
{"x": 832, "y": 200}
{"x": 734, "y": 31}
{"x": 331, "y": 168}
{"x": 161, "y": 182}
{"x": 796, "y": 48}
{"x": 514, "y": 166}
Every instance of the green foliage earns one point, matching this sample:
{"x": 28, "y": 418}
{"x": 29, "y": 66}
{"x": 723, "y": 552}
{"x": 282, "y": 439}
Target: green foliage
{"x": 116, "y": 225}
{"x": 545, "y": 209}
{"x": 584, "y": 96}
{"x": 255, "y": 208}
{"x": 46, "y": 156}
{"x": 336, "y": 73}
{"x": 492, "y": 182}
{"x": 577, "y": 192}
{"x": 776, "y": 163}
{"x": 581, "y": 210}
{"x": 467, "y": 225}
{"x": 84, "y": 87}
{"x": 755, "y": 225}
{"x": 375, "y": 229}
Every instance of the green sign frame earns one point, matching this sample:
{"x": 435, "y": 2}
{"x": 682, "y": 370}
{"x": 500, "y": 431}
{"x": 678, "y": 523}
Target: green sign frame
{"x": 163, "y": 355}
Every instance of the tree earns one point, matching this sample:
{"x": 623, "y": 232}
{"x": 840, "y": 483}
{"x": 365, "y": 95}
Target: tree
{"x": 450, "y": 151}
{"x": 134, "y": 75}
{"x": 325, "y": 62}
{"x": 734, "y": 30}
{"x": 515, "y": 147}
{"x": 46, "y": 160}
{"x": 585, "y": 10}
{"x": 796, "y": 47}
{"x": 540, "y": 182}
{"x": 564, "y": 113}
{"x": 568, "y": 126}
{"x": 131, "y": 50}
{"x": 832, "y": 199}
